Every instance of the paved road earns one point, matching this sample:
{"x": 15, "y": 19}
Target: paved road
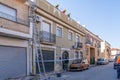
{"x": 102, "y": 72}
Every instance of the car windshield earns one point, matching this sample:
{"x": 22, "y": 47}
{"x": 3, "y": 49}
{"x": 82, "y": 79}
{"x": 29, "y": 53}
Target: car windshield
{"x": 101, "y": 59}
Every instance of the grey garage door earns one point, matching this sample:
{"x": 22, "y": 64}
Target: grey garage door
{"x": 49, "y": 66}
{"x": 12, "y": 62}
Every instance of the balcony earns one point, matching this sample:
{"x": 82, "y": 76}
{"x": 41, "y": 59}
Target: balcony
{"x": 78, "y": 45}
{"x": 48, "y": 38}
{"x": 88, "y": 42}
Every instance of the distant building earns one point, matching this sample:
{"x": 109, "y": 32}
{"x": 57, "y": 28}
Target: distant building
{"x": 114, "y": 51}
{"x": 105, "y": 50}
{"x": 92, "y": 47}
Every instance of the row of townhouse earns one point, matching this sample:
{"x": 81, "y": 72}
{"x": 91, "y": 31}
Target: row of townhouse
{"x": 93, "y": 47}
{"x": 62, "y": 39}
{"x": 96, "y": 48}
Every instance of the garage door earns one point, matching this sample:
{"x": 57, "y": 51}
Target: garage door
{"x": 12, "y": 62}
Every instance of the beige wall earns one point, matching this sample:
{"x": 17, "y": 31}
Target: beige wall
{"x": 13, "y": 42}
{"x": 7, "y": 24}
{"x": 51, "y": 12}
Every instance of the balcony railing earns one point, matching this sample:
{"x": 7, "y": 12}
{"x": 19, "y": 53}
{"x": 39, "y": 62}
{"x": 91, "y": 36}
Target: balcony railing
{"x": 78, "y": 45}
{"x": 15, "y": 19}
{"x": 88, "y": 42}
{"x": 47, "y": 37}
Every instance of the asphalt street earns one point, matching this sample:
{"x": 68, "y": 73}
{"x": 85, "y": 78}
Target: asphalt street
{"x": 102, "y": 72}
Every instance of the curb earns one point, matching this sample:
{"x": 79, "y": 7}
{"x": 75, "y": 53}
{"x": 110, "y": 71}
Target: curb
{"x": 92, "y": 66}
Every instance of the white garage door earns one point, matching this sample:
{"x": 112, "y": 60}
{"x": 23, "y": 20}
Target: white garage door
{"x": 12, "y": 62}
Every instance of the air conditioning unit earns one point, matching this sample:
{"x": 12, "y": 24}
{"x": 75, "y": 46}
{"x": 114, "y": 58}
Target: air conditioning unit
{"x": 38, "y": 18}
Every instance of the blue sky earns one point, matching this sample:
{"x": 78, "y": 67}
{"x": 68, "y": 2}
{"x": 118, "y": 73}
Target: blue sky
{"x": 102, "y": 17}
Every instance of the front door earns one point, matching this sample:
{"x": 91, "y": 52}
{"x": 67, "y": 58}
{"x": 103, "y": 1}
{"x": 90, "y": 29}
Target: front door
{"x": 65, "y": 60}
{"x": 92, "y": 56}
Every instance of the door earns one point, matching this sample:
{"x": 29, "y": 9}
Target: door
{"x": 13, "y": 62}
{"x": 65, "y": 60}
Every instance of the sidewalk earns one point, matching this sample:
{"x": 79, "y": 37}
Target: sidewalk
{"x": 93, "y": 65}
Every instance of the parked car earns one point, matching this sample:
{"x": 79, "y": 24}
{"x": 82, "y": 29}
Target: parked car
{"x": 115, "y": 64}
{"x": 102, "y": 61}
{"x": 79, "y": 65}
{"x": 111, "y": 60}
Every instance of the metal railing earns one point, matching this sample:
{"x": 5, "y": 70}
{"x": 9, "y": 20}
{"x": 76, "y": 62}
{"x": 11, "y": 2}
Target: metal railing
{"x": 88, "y": 41}
{"x": 15, "y": 19}
{"x": 47, "y": 37}
{"x": 79, "y": 45}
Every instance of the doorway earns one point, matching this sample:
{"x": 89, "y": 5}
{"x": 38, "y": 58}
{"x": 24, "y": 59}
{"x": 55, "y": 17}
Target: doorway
{"x": 65, "y": 60}
{"x": 92, "y": 55}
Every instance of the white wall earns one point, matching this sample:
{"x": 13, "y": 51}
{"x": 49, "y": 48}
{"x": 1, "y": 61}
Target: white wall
{"x": 113, "y": 52}
{"x": 102, "y": 47}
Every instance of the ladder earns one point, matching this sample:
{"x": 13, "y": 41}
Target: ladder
{"x": 38, "y": 50}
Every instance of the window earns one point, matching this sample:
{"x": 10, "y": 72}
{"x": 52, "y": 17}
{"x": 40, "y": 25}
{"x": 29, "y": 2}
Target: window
{"x": 59, "y": 32}
{"x": 46, "y": 31}
{"x": 91, "y": 40}
{"x": 70, "y": 36}
{"x": 87, "y": 51}
{"x": 87, "y": 38}
{"x": 76, "y": 55}
{"x": 46, "y": 27}
{"x": 7, "y": 12}
{"x": 98, "y": 52}
{"x": 77, "y": 38}
{"x": 81, "y": 54}
{"x": 94, "y": 42}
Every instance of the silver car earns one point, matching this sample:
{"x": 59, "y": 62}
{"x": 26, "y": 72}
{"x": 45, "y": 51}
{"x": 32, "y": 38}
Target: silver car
{"x": 102, "y": 61}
